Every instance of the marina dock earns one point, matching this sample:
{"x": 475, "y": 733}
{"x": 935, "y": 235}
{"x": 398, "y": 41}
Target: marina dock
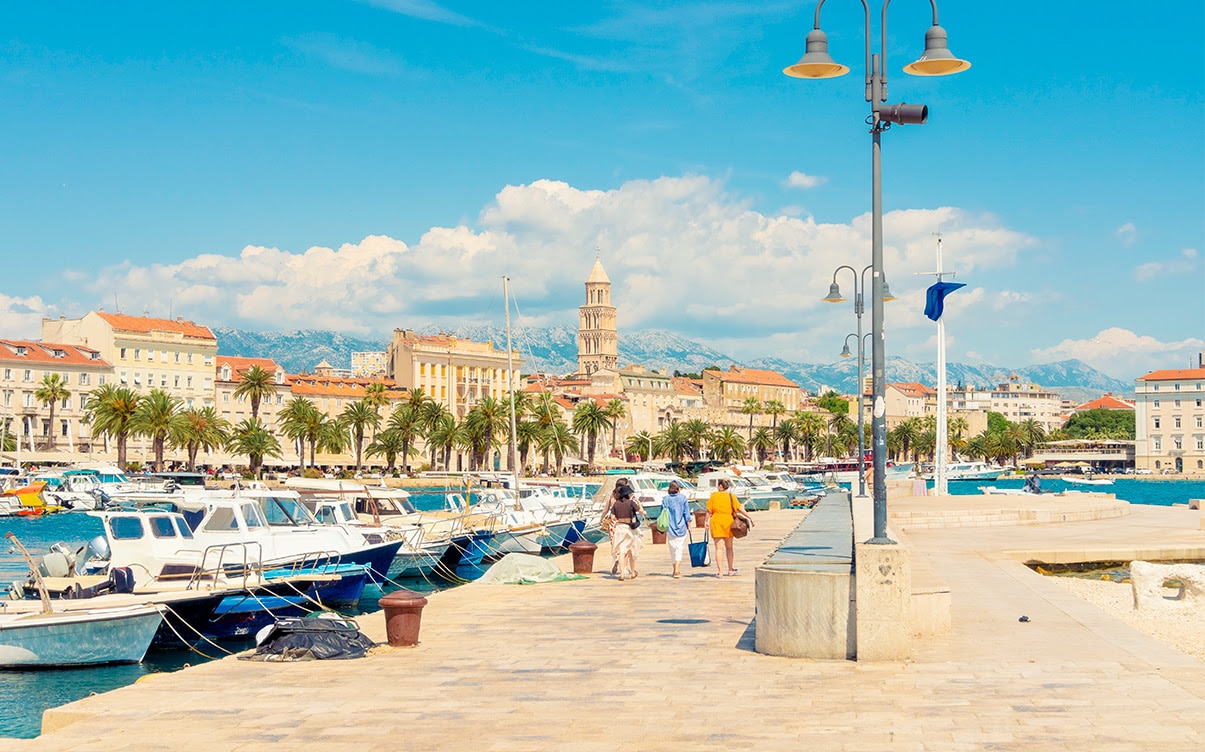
{"x": 658, "y": 663}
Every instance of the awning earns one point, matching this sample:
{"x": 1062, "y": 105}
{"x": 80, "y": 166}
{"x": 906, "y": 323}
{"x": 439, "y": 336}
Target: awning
{"x": 571, "y": 461}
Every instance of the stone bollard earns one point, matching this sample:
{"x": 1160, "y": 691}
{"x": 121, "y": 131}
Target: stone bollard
{"x": 658, "y": 536}
{"x": 403, "y": 614}
{"x": 700, "y": 518}
{"x": 583, "y": 556}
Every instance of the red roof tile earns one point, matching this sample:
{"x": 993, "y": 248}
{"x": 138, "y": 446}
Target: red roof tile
{"x": 753, "y": 376}
{"x": 49, "y": 352}
{"x": 1173, "y": 375}
{"x": 145, "y": 325}
{"x": 1105, "y": 402}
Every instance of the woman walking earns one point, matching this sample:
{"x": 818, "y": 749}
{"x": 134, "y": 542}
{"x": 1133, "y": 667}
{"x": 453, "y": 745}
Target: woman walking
{"x": 607, "y": 522}
{"x": 625, "y": 531}
{"x": 679, "y": 519}
{"x": 722, "y": 509}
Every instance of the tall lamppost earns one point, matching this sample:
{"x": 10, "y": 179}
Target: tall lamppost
{"x": 834, "y": 296}
{"x": 845, "y": 353}
{"x": 937, "y": 60}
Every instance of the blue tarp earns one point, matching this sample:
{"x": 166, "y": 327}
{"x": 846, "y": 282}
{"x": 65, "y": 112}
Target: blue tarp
{"x": 935, "y": 297}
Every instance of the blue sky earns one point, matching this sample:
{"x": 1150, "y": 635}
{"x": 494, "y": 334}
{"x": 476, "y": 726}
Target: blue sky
{"x": 361, "y": 166}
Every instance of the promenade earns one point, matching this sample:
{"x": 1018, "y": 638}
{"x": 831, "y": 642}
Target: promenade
{"x": 657, "y": 663}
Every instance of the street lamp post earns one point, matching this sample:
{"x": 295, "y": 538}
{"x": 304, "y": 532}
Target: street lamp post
{"x": 834, "y": 296}
{"x": 937, "y": 60}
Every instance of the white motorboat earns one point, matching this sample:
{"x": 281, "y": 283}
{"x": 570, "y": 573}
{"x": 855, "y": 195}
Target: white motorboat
{"x": 971, "y": 471}
{"x": 1087, "y": 480}
{"x": 78, "y": 638}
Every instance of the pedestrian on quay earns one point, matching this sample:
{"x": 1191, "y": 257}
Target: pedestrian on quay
{"x": 607, "y": 522}
{"x": 625, "y": 531}
{"x": 722, "y": 508}
{"x": 679, "y": 520}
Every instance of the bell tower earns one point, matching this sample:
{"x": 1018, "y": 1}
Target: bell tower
{"x": 597, "y": 337}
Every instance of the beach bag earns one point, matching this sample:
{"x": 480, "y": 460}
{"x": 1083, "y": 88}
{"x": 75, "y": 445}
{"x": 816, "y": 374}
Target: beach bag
{"x": 699, "y": 552}
{"x": 740, "y": 528}
{"x": 663, "y": 518}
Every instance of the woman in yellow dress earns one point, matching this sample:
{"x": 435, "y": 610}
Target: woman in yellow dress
{"x": 722, "y": 508}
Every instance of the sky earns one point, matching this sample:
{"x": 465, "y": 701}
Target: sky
{"x": 366, "y": 165}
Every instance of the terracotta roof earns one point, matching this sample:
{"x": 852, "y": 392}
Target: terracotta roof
{"x": 1105, "y": 402}
{"x": 49, "y": 352}
{"x": 238, "y": 365}
{"x": 1172, "y": 375}
{"x": 144, "y": 325}
{"x": 913, "y": 389}
{"x": 687, "y": 386}
{"x": 753, "y": 376}
{"x": 331, "y": 386}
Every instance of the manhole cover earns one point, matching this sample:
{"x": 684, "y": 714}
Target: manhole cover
{"x": 682, "y": 621}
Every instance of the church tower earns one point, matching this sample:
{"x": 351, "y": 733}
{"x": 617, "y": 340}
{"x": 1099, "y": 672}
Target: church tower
{"x": 597, "y": 338}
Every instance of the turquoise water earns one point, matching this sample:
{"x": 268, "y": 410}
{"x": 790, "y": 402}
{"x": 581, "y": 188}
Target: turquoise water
{"x": 1163, "y": 493}
{"x": 25, "y": 694}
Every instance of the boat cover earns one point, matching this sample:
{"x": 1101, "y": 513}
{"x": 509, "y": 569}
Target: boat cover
{"x": 524, "y": 569}
{"x": 302, "y": 639}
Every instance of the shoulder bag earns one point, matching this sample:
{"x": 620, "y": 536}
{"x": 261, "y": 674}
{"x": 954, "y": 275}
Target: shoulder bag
{"x": 740, "y": 528}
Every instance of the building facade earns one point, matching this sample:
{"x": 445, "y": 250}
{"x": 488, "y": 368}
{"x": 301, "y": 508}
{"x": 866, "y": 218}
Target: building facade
{"x": 455, "y": 372}
{"x": 23, "y": 366}
{"x": 728, "y": 390}
{"x": 1169, "y": 421}
{"x": 174, "y": 355}
{"x": 369, "y": 365}
{"x": 236, "y": 409}
{"x": 597, "y": 336}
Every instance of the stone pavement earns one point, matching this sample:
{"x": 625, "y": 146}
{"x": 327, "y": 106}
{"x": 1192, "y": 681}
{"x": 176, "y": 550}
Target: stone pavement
{"x": 657, "y": 663}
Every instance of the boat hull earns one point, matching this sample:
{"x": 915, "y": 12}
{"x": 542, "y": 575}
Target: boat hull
{"x": 83, "y": 638}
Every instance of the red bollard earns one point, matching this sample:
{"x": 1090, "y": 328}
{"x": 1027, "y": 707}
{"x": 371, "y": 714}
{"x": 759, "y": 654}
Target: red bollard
{"x": 583, "y": 556}
{"x": 658, "y": 536}
{"x": 403, "y": 615}
{"x": 700, "y": 518}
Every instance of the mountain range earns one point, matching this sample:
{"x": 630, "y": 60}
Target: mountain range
{"x": 554, "y": 350}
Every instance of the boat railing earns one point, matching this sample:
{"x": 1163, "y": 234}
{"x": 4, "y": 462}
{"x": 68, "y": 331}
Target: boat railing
{"x": 242, "y": 563}
{"x": 316, "y": 562}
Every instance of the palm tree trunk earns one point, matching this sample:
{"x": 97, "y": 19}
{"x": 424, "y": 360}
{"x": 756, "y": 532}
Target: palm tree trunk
{"x": 50, "y": 438}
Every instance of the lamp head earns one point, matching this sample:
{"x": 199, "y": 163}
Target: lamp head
{"x": 834, "y": 294}
{"x": 816, "y": 62}
{"x": 887, "y": 296}
{"x": 845, "y": 350}
{"x": 937, "y": 60}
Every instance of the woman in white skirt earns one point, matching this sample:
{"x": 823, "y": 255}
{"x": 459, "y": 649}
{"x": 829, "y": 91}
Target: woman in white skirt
{"x": 625, "y": 531}
{"x": 679, "y": 521}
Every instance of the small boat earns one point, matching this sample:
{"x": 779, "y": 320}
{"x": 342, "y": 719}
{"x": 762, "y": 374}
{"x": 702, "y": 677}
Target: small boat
{"x": 971, "y": 471}
{"x": 26, "y": 501}
{"x": 1087, "y": 480}
{"x": 997, "y": 491}
{"x": 77, "y": 638}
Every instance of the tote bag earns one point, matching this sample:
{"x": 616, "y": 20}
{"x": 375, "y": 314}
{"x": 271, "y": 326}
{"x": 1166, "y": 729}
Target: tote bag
{"x": 700, "y": 554}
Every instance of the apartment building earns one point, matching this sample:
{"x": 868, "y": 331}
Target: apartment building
{"x": 454, "y": 372}
{"x": 174, "y": 355}
{"x": 235, "y": 409}
{"x": 1169, "y": 421}
{"x": 729, "y": 389}
{"x": 23, "y": 366}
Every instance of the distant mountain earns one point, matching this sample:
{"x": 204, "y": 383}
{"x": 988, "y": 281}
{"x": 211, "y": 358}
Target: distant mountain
{"x": 554, "y": 350}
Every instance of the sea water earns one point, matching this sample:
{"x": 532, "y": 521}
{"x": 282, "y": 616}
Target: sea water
{"x": 25, "y": 694}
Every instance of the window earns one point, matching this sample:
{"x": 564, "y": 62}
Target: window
{"x": 27, "y": 376}
{"x": 28, "y": 399}
{"x": 188, "y": 382}
{"x": 1175, "y": 403}
{"x": 1155, "y": 404}
{"x": 138, "y": 379}
{"x": 1199, "y": 421}
{"x": 125, "y": 528}
{"x": 66, "y": 403}
{"x": 208, "y": 360}
{"x": 150, "y": 355}
{"x": 161, "y": 527}
{"x": 1200, "y": 446}
{"x": 163, "y": 379}
{"x": 226, "y": 398}
{"x": 123, "y": 353}
{"x": 85, "y": 379}
{"x": 124, "y": 379}
{"x": 1177, "y": 442}
{"x": 177, "y": 354}
{"x": 1176, "y": 387}
{"x": 1176, "y": 420}
{"x": 8, "y": 399}
{"x": 1198, "y": 401}
{"x": 1157, "y": 444}
{"x": 163, "y": 355}
{"x": 8, "y": 376}
{"x": 63, "y": 428}
{"x": 208, "y": 382}
{"x": 176, "y": 382}
{"x": 1157, "y": 422}
{"x": 137, "y": 353}
{"x": 190, "y": 358}
{"x": 1156, "y": 387}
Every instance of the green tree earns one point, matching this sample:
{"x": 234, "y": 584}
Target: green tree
{"x": 441, "y": 438}
{"x": 751, "y": 406}
{"x": 810, "y": 430}
{"x": 832, "y": 402}
{"x": 589, "y": 420}
{"x": 110, "y": 410}
{"x": 674, "y": 442}
{"x": 558, "y": 440}
{"x": 388, "y": 444}
{"x": 1101, "y": 423}
{"x": 996, "y": 421}
{"x": 199, "y": 428}
{"x": 529, "y": 433}
{"x": 615, "y": 411}
{"x": 255, "y": 384}
{"x": 299, "y": 421}
{"x": 762, "y": 443}
{"x": 376, "y": 396}
{"x": 698, "y": 431}
{"x": 726, "y": 444}
{"x": 489, "y": 419}
{"x": 774, "y": 408}
{"x": 252, "y": 438}
{"x": 157, "y": 417}
{"x": 1031, "y": 434}
{"x": 359, "y": 417}
{"x": 641, "y": 444}
{"x": 51, "y": 392}
{"x": 331, "y": 436}
{"x": 433, "y": 415}
{"x": 406, "y": 423}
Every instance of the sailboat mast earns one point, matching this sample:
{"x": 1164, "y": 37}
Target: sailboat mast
{"x": 510, "y": 379}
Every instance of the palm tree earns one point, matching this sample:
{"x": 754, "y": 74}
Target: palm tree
{"x": 255, "y": 384}
{"x": 809, "y": 429}
{"x": 297, "y": 421}
{"x": 442, "y": 437}
{"x": 615, "y": 411}
{"x": 157, "y": 417}
{"x": 673, "y": 442}
{"x": 252, "y": 438}
{"x": 558, "y": 440}
{"x": 785, "y": 433}
{"x": 330, "y": 436}
{"x": 199, "y": 428}
{"x": 774, "y": 408}
{"x": 432, "y": 415}
{"x": 376, "y": 397}
{"x": 388, "y": 444}
{"x": 520, "y": 403}
{"x": 751, "y": 406}
{"x": 51, "y": 392}
{"x": 1032, "y": 434}
{"x": 641, "y": 444}
{"x": 359, "y": 416}
{"x": 726, "y": 444}
{"x": 489, "y": 418}
{"x": 698, "y": 431}
{"x": 589, "y": 420}
{"x": 110, "y": 409}
{"x": 406, "y": 424}
{"x": 907, "y": 433}
{"x": 529, "y": 432}
{"x": 838, "y": 424}
{"x": 762, "y": 443}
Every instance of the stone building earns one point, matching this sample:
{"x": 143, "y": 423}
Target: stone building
{"x": 597, "y": 337}
{"x": 228, "y": 376}
{"x": 1169, "y": 421}
{"x": 454, "y": 372}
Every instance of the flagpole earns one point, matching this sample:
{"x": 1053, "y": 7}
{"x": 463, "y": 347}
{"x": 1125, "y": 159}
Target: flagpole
{"x": 939, "y": 460}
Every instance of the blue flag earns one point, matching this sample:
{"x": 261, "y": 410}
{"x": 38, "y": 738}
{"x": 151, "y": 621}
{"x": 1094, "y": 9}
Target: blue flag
{"x": 935, "y": 297}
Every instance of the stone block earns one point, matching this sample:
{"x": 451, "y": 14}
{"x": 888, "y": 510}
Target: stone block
{"x": 1147, "y": 580}
{"x": 804, "y": 613}
{"x": 883, "y": 602}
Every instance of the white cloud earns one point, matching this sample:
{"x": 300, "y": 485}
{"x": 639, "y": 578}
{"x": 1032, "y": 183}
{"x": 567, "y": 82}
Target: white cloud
{"x": 1122, "y": 352}
{"x": 1128, "y": 234}
{"x": 1185, "y": 264}
{"x": 425, "y": 10}
{"x": 21, "y": 318}
{"x": 798, "y": 179}
{"x": 683, "y": 253}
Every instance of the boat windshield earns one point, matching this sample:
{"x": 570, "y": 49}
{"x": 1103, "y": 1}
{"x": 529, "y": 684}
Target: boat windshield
{"x": 285, "y": 512}
{"x": 333, "y": 514}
